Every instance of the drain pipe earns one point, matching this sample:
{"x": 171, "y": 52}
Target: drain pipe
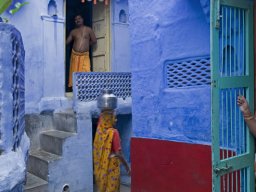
{"x": 66, "y": 188}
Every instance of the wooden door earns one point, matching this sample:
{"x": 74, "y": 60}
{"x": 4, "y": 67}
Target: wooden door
{"x": 100, "y": 25}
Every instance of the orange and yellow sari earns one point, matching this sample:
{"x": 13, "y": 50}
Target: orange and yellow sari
{"x": 79, "y": 62}
{"x": 106, "y": 168}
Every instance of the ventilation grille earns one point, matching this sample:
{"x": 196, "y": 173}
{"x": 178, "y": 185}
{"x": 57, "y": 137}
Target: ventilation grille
{"x": 1, "y": 110}
{"x": 88, "y": 86}
{"x": 18, "y": 91}
{"x": 187, "y": 73}
{"x": 12, "y": 90}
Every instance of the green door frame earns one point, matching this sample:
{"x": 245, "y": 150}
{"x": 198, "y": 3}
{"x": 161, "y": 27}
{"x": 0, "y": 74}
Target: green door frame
{"x": 232, "y": 75}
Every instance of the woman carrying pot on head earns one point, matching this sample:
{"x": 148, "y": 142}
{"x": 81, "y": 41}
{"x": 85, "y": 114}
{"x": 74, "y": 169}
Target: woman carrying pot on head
{"x": 107, "y": 153}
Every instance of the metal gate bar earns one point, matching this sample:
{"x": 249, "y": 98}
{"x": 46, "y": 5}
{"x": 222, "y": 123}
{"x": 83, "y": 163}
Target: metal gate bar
{"x": 232, "y": 42}
{"x": 232, "y": 75}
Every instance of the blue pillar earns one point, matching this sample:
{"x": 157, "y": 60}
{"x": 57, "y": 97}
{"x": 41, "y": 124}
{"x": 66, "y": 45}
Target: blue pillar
{"x": 14, "y": 143}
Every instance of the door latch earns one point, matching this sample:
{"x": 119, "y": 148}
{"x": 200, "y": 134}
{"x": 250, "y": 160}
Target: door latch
{"x": 221, "y": 170}
{"x": 214, "y": 83}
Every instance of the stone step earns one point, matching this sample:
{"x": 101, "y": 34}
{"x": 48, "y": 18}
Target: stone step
{"x": 65, "y": 120}
{"x": 38, "y": 162}
{"x": 125, "y": 180}
{"x": 35, "y": 184}
{"x": 124, "y": 188}
{"x": 52, "y": 141}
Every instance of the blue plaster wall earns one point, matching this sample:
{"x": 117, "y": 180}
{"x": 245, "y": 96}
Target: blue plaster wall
{"x": 44, "y": 39}
{"x": 120, "y": 50}
{"x": 33, "y": 58}
{"x": 44, "y": 42}
{"x": 14, "y": 143}
{"x": 33, "y": 46}
{"x": 163, "y": 31}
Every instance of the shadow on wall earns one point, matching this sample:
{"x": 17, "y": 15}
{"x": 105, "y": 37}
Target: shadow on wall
{"x": 205, "y": 4}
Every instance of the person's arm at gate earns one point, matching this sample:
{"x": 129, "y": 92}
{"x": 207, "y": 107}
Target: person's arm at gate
{"x": 248, "y": 116}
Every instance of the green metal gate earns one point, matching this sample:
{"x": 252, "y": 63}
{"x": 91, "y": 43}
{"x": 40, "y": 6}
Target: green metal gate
{"x": 232, "y": 75}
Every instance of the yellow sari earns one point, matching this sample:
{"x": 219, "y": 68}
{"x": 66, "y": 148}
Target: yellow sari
{"x": 79, "y": 62}
{"x": 106, "y": 169}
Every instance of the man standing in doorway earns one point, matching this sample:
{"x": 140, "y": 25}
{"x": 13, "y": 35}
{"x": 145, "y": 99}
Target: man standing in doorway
{"x": 83, "y": 37}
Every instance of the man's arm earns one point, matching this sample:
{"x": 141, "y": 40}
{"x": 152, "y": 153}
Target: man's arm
{"x": 93, "y": 39}
{"x": 70, "y": 38}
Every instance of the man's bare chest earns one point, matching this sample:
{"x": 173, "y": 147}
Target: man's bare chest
{"x": 81, "y": 34}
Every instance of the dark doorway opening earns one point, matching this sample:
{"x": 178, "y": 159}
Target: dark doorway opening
{"x": 73, "y": 8}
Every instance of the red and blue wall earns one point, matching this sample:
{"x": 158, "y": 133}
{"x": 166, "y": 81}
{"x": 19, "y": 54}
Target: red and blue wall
{"x": 170, "y": 148}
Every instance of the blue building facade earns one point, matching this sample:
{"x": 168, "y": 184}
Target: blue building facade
{"x": 169, "y": 104}
{"x": 14, "y": 142}
{"x": 42, "y": 25}
{"x": 166, "y": 47}
{"x": 170, "y": 48}
{"x": 44, "y": 41}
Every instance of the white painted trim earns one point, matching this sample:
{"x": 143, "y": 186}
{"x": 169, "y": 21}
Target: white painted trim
{"x": 53, "y": 19}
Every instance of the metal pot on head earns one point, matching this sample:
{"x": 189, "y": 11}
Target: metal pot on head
{"x": 107, "y": 100}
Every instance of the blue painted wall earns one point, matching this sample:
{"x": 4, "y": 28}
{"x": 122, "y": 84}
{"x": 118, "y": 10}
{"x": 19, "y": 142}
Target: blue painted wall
{"x": 14, "y": 143}
{"x": 124, "y": 126}
{"x": 120, "y": 48}
{"x": 44, "y": 44}
{"x": 164, "y": 31}
{"x": 33, "y": 60}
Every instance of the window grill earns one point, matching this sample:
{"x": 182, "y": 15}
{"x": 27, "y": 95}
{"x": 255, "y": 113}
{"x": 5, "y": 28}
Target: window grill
{"x": 1, "y": 112}
{"x": 18, "y": 92}
{"x": 12, "y": 90}
{"x": 187, "y": 73}
{"x": 88, "y": 86}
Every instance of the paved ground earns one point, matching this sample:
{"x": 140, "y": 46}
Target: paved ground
{"x": 125, "y": 184}
{"x": 123, "y": 188}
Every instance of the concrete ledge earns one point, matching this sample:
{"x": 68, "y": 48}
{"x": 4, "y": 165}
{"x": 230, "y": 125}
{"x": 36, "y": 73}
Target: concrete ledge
{"x": 124, "y": 107}
{"x": 52, "y": 103}
{"x": 53, "y": 18}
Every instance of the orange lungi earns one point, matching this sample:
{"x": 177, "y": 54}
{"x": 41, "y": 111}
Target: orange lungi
{"x": 79, "y": 62}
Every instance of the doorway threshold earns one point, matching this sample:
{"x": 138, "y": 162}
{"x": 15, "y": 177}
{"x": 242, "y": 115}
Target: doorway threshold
{"x": 69, "y": 94}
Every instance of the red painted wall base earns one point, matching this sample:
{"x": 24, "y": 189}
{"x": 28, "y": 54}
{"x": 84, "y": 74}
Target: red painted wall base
{"x": 166, "y": 166}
